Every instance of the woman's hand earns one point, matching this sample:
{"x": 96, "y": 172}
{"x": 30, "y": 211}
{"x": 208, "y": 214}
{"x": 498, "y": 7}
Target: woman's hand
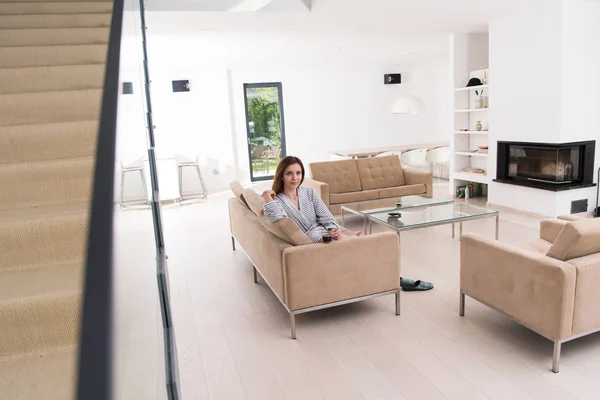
{"x": 269, "y": 195}
{"x": 336, "y": 234}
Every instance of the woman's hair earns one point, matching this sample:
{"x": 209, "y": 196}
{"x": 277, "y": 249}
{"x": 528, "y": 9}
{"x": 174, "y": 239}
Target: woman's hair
{"x": 283, "y": 164}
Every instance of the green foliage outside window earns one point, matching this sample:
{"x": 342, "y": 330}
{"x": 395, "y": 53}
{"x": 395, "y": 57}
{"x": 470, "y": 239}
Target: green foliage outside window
{"x": 263, "y": 114}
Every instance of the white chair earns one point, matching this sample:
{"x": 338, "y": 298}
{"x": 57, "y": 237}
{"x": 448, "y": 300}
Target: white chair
{"x": 200, "y": 192}
{"x": 415, "y": 159}
{"x": 438, "y": 157}
{"x": 137, "y": 167}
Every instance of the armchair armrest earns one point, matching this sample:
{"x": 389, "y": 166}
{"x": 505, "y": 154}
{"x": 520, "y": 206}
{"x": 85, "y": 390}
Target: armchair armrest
{"x": 321, "y": 273}
{"x": 550, "y": 228}
{"x": 412, "y": 177}
{"x": 536, "y": 290}
{"x": 321, "y": 188}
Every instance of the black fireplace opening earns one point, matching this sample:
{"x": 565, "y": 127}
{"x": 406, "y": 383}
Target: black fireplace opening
{"x": 548, "y": 166}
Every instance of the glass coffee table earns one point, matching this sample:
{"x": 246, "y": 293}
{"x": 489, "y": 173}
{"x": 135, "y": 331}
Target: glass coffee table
{"x": 417, "y": 212}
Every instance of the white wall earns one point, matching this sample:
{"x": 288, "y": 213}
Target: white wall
{"x": 538, "y": 61}
{"x": 333, "y": 93}
{"x": 581, "y": 82}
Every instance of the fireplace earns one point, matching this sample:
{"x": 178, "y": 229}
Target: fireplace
{"x": 547, "y": 166}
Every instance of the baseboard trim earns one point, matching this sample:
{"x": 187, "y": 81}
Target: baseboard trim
{"x": 516, "y": 211}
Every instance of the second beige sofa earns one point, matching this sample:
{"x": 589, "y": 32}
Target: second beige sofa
{"x": 550, "y": 286}
{"x": 354, "y": 181}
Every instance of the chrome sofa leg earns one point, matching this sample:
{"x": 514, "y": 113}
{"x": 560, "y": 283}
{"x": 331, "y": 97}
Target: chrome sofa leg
{"x": 556, "y": 356}
{"x": 233, "y": 243}
{"x": 293, "y": 324}
{"x": 255, "y": 274}
{"x": 398, "y": 302}
{"x": 461, "y": 310}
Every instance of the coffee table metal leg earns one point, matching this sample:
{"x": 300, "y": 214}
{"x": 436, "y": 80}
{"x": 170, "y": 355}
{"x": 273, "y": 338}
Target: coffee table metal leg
{"x": 459, "y": 230}
{"x": 497, "y": 225}
{"x": 370, "y": 227}
{"x": 452, "y": 231}
{"x": 366, "y": 222}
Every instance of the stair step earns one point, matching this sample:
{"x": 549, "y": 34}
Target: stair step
{"x": 36, "y": 236}
{"x": 37, "y": 56}
{"x": 54, "y": 21}
{"x": 35, "y": 184}
{"x": 47, "y": 79}
{"x": 40, "y": 280}
{"x": 55, "y": 7}
{"x": 52, "y": 36}
{"x": 50, "y": 107}
{"x": 49, "y": 375}
{"x": 48, "y": 141}
{"x": 38, "y": 323}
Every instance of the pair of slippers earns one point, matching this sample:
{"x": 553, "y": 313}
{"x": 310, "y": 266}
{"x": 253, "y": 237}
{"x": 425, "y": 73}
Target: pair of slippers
{"x": 408, "y": 285}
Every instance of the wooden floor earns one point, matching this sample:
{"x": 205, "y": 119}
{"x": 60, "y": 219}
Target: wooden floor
{"x": 233, "y": 335}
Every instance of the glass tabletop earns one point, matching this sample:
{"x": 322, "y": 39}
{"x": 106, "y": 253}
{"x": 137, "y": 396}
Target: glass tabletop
{"x": 412, "y": 218}
{"x": 394, "y": 204}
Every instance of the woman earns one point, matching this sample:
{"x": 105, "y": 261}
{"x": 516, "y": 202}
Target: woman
{"x": 303, "y": 205}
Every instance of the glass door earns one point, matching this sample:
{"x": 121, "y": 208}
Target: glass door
{"x": 265, "y": 128}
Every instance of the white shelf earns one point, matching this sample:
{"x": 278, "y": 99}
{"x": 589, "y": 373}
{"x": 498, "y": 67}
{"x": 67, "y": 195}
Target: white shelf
{"x": 463, "y": 176}
{"x": 471, "y": 110}
{"x": 464, "y": 89}
{"x": 471, "y": 132}
{"x": 468, "y": 153}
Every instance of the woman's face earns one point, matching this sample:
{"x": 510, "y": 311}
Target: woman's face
{"x": 292, "y": 176}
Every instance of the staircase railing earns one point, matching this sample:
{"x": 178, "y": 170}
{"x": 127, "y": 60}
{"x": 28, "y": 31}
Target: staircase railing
{"x": 96, "y": 363}
{"x": 95, "y": 354}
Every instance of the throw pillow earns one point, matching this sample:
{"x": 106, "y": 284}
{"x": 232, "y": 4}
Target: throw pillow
{"x": 577, "y": 239}
{"x": 238, "y": 191}
{"x": 286, "y": 229}
{"x": 255, "y": 202}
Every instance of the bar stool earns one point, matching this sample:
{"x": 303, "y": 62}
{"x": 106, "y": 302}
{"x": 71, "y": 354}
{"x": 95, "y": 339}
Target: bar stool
{"x": 184, "y": 162}
{"x": 138, "y": 166}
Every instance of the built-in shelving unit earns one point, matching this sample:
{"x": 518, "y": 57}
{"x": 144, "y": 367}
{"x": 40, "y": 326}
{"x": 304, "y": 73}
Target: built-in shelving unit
{"x": 464, "y": 89}
{"x": 470, "y": 111}
{"x": 470, "y": 154}
{"x": 470, "y": 132}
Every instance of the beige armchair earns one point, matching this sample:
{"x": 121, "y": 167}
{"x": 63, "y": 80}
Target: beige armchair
{"x": 549, "y": 286}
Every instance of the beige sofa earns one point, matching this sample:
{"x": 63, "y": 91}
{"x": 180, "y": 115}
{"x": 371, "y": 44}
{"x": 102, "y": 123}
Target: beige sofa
{"x": 551, "y": 286}
{"x": 364, "y": 179}
{"x": 306, "y": 276}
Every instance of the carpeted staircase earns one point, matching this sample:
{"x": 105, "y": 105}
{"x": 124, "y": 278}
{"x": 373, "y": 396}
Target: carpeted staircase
{"x": 52, "y": 57}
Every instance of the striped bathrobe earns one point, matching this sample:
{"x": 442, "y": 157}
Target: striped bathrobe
{"x": 314, "y": 218}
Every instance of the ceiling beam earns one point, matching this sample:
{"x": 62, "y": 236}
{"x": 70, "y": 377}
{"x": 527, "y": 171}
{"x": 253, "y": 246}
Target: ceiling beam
{"x": 250, "y": 5}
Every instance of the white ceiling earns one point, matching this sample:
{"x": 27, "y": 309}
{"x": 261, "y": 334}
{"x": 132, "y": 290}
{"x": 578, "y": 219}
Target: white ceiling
{"x": 357, "y": 16}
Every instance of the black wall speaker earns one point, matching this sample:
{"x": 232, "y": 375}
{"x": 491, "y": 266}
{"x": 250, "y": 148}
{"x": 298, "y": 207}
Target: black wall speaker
{"x": 390, "y": 79}
{"x": 127, "y": 87}
{"x": 181, "y": 86}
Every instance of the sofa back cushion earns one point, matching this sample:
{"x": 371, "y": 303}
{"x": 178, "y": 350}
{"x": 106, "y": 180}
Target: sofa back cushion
{"x": 576, "y": 239}
{"x": 286, "y": 229}
{"x": 380, "y": 172}
{"x": 341, "y": 176}
{"x": 238, "y": 191}
{"x": 254, "y": 200}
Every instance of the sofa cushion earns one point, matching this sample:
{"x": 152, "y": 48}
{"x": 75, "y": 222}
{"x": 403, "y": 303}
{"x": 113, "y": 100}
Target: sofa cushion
{"x": 286, "y": 229}
{"x": 238, "y": 191}
{"x": 340, "y": 198}
{"x": 399, "y": 191}
{"x": 550, "y": 229}
{"x": 540, "y": 246}
{"x": 254, "y": 200}
{"x": 341, "y": 176}
{"x": 577, "y": 239}
{"x": 380, "y": 172}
